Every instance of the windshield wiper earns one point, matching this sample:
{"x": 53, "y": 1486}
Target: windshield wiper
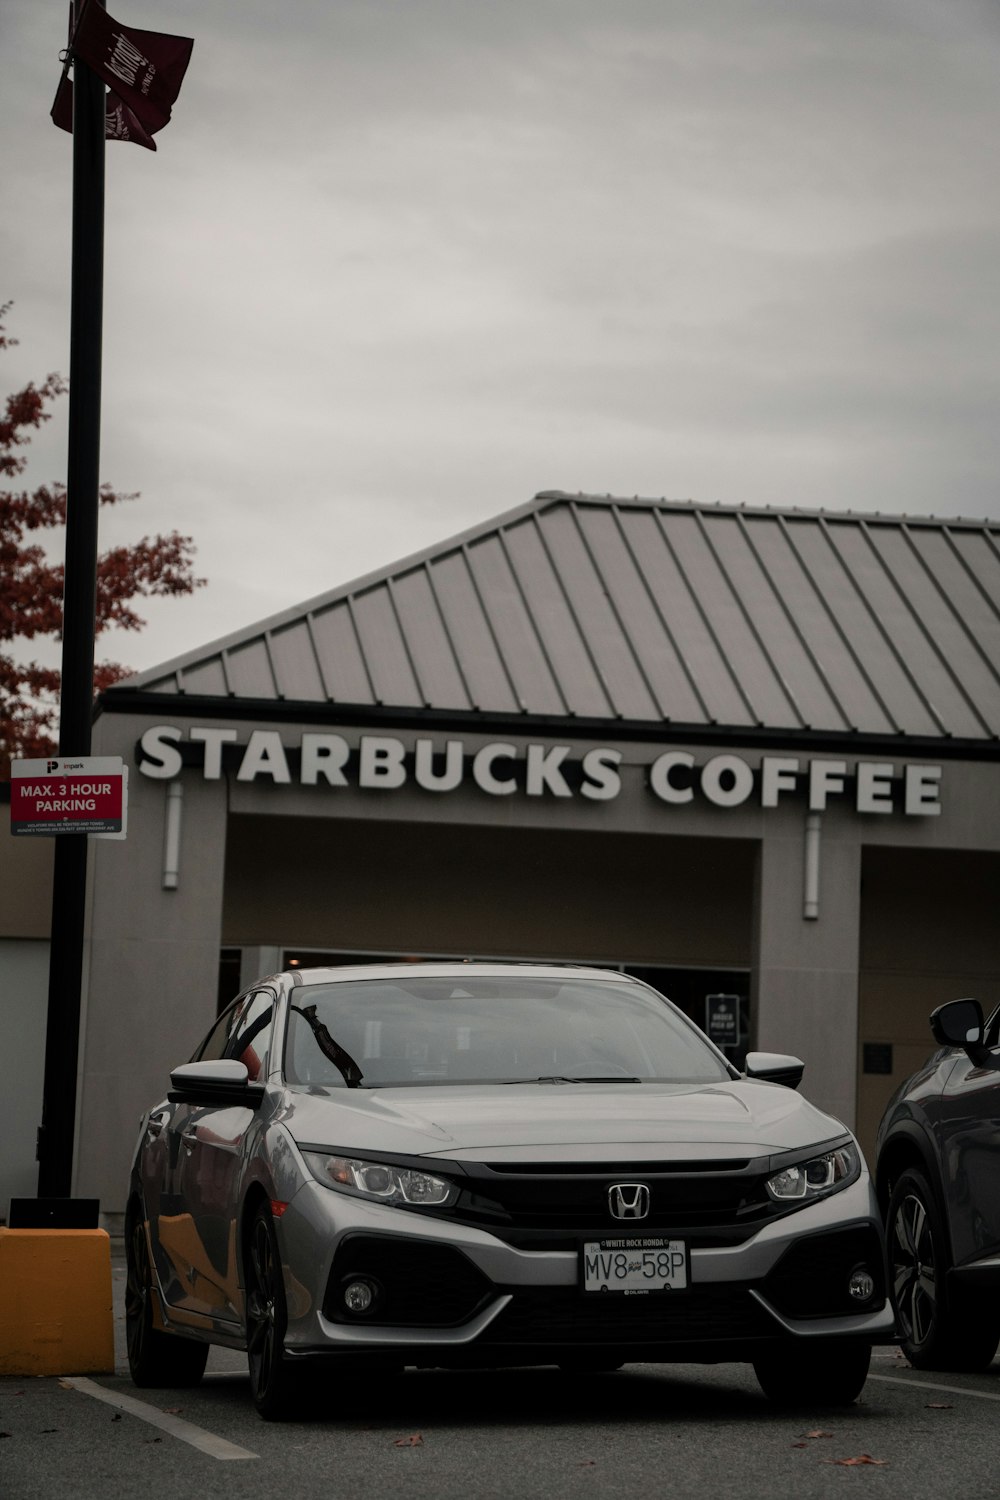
{"x": 588, "y": 1078}
{"x": 342, "y": 1061}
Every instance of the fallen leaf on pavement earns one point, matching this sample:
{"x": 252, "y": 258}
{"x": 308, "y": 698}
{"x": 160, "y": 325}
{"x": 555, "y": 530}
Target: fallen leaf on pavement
{"x": 862, "y": 1458}
{"x": 415, "y": 1440}
{"x": 66, "y": 1385}
{"x": 587, "y": 1463}
{"x": 172, "y": 1411}
{"x": 818, "y": 1434}
{"x": 938, "y": 1406}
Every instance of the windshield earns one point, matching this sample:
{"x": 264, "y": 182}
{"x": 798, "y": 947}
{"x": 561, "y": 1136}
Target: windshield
{"x": 410, "y": 1031}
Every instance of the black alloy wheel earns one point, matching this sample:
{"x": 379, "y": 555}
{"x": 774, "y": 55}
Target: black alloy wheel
{"x": 273, "y": 1384}
{"x": 939, "y": 1331}
{"x": 155, "y": 1358}
{"x": 814, "y": 1372}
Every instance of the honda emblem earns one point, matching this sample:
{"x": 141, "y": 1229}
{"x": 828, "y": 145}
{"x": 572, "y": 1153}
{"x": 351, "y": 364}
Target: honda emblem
{"x": 628, "y": 1200}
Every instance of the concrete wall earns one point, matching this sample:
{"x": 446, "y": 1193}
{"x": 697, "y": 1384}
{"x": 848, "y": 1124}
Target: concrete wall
{"x": 25, "y": 915}
{"x": 24, "y": 984}
{"x": 152, "y": 970}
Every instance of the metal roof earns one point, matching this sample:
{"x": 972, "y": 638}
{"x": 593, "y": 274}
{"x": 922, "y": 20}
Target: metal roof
{"x": 649, "y": 612}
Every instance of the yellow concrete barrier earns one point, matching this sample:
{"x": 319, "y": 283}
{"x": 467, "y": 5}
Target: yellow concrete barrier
{"x": 56, "y": 1315}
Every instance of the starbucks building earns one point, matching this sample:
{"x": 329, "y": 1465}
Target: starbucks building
{"x": 749, "y": 755}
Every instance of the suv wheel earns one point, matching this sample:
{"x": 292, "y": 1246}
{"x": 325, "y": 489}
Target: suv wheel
{"x": 938, "y": 1331}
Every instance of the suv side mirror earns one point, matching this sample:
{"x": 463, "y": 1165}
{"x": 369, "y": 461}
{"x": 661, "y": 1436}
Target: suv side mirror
{"x": 775, "y": 1067}
{"x": 960, "y": 1024}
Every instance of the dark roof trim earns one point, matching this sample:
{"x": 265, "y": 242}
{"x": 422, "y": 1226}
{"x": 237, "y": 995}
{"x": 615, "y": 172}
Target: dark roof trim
{"x": 162, "y": 706}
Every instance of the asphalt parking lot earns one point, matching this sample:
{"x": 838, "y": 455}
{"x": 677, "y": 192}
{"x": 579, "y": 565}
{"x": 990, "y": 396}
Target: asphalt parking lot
{"x": 685, "y": 1431}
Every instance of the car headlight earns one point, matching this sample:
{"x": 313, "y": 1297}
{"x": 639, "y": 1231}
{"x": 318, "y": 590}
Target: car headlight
{"x": 812, "y": 1179}
{"x": 398, "y": 1186}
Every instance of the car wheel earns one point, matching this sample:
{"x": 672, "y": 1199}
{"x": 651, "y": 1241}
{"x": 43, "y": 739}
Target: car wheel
{"x": 937, "y": 1331}
{"x": 155, "y": 1358}
{"x": 823, "y": 1372}
{"x": 273, "y": 1385}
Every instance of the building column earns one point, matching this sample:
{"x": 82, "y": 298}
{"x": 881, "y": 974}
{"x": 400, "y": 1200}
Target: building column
{"x": 805, "y": 968}
{"x": 151, "y": 969}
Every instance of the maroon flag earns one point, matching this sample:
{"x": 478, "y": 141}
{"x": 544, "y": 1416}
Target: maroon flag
{"x": 144, "y": 68}
{"x": 120, "y": 124}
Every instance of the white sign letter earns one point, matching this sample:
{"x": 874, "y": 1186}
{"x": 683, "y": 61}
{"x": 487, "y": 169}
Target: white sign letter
{"x": 381, "y": 761}
{"x": 875, "y": 786}
{"x": 603, "y": 781}
{"x": 164, "y": 759}
{"x": 213, "y": 740}
{"x": 777, "y": 775}
{"x": 825, "y": 777}
{"x": 923, "y": 791}
{"x": 265, "y": 756}
{"x": 544, "y": 773}
{"x": 450, "y": 777}
{"x": 659, "y": 776}
{"x": 482, "y": 770}
{"x": 324, "y": 755}
{"x": 728, "y": 766}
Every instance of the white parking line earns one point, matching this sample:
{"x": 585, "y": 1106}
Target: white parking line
{"x": 187, "y": 1432}
{"x": 929, "y": 1385}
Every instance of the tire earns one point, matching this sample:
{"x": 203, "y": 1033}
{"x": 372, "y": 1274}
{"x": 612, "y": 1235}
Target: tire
{"x": 821, "y": 1372}
{"x": 939, "y": 1331}
{"x": 274, "y": 1386}
{"x": 155, "y": 1358}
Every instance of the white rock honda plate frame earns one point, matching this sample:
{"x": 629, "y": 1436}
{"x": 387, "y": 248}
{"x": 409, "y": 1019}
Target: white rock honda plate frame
{"x": 485, "y": 1164}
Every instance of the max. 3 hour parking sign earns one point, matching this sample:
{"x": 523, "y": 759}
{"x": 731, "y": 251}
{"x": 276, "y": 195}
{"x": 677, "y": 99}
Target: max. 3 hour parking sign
{"x": 86, "y": 794}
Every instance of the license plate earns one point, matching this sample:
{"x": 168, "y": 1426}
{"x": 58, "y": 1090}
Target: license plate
{"x": 634, "y": 1266}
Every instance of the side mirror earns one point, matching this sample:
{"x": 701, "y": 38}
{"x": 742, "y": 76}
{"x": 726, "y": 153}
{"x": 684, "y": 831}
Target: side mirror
{"x": 775, "y": 1067}
{"x": 221, "y": 1082}
{"x": 960, "y": 1024}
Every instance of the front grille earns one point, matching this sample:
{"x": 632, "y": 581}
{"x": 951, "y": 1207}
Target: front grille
{"x": 811, "y": 1278}
{"x": 420, "y": 1283}
{"x": 565, "y": 1316}
{"x": 552, "y": 1206}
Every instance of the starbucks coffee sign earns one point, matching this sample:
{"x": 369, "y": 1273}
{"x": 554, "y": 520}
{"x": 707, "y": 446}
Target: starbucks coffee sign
{"x": 385, "y": 763}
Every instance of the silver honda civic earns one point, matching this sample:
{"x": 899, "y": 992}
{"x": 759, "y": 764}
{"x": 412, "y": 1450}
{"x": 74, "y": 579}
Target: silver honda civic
{"x": 486, "y": 1164}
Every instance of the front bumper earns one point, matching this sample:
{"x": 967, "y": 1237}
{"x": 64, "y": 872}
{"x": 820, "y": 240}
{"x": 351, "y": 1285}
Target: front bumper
{"x": 456, "y": 1294}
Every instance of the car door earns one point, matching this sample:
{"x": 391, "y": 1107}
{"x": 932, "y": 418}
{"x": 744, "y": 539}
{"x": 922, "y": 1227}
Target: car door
{"x": 206, "y": 1149}
{"x": 968, "y": 1130}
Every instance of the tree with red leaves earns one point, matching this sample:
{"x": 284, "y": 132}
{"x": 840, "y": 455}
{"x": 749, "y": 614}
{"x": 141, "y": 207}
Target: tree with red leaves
{"x": 31, "y": 586}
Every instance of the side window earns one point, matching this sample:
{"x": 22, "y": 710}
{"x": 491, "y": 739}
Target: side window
{"x": 243, "y": 1032}
{"x": 250, "y": 1035}
{"x": 214, "y": 1045}
{"x": 992, "y": 1030}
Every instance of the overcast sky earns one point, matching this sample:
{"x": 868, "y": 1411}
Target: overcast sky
{"x": 397, "y": 265}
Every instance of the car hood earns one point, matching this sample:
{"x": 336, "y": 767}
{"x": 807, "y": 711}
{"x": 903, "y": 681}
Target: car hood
{"x": 560, "y": 1122}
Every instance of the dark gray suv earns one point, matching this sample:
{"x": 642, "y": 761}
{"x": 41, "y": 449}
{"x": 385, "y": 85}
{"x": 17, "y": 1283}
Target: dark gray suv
{"x": 938, "y": 1182}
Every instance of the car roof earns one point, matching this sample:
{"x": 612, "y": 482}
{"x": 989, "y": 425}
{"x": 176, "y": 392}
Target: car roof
{"x": 453, "y": 969}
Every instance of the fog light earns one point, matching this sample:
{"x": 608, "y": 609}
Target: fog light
{"x": 359, "y": 1296}
{"x": 861, "y": 1285}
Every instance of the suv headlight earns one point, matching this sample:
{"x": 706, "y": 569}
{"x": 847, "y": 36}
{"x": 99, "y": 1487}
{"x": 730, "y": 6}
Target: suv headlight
{"x": 817, "y": 1177}
{"x": 406, "y": 1187}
